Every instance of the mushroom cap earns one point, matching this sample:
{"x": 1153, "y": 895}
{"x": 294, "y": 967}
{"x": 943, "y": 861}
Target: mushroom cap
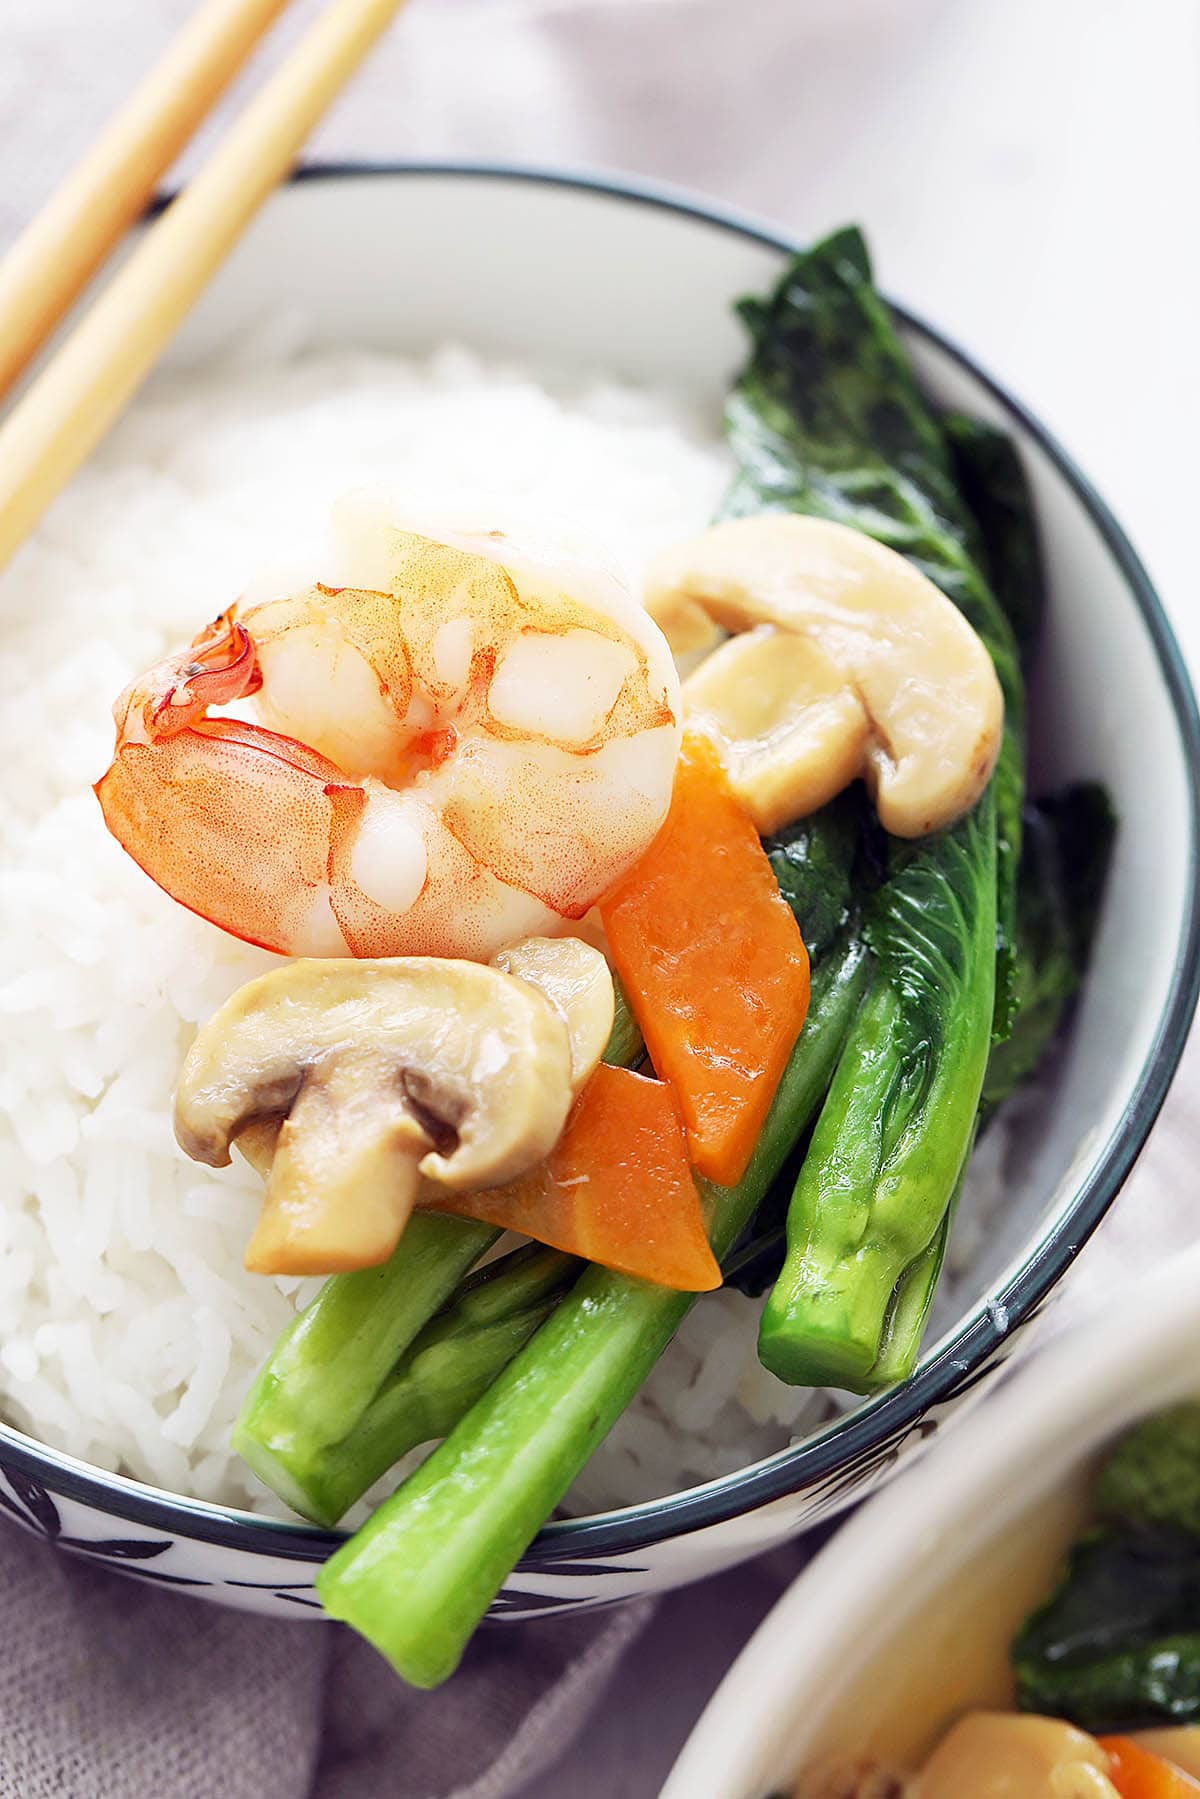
{"x": 465, "y": 1057}
{"x": 347, "y": 1081}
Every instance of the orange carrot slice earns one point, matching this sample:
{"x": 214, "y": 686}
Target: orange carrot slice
{"x": 713, "y": 964}
{"x": 1137, "y": 1774}
{"x": 616, "y": 1188}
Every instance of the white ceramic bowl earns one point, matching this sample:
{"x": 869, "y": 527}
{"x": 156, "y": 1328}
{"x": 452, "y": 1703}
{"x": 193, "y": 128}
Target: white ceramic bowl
{"x": 883, "y": 1638}
{"x": 641, "y": 284}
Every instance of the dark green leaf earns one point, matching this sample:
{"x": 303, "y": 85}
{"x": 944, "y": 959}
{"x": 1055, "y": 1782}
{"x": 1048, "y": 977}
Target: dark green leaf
{"x": 1117, "y": 1643}
{"x": 755, "y": 1264}
{"x": 1084, "y": 828}
{"x": 991, "y": 479}
{"x": 826, "y": 864}
{"x": 1156, "y": 1683}
{"x": 919, "y": 922}
{"x": 1068, "y": 842}
{"x": 1117, "y": 1587}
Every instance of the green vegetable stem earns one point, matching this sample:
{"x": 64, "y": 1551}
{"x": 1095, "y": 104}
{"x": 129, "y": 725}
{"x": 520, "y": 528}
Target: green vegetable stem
{"x": 331, "y": 1361}
{"x": 447, "y": 1368}
{"x": 908, "y": 1313}
{"x": 897, "y": 1126}
{"x": 418, "y": 1577}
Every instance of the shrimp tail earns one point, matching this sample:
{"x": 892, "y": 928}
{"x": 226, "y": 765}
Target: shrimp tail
{"x": 234, "y": 822}
{"x": 218, "y": 667}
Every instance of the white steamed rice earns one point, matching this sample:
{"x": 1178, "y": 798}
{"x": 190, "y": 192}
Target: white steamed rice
{"x": 129, "y": 1330}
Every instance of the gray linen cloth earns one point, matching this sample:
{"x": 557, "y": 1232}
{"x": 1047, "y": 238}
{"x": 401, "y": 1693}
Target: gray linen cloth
{"x": 914, "y": 115}
{"x": 111, "y": 1690}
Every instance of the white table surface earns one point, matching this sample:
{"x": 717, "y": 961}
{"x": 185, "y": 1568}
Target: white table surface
{"x": 1027, "y": 171}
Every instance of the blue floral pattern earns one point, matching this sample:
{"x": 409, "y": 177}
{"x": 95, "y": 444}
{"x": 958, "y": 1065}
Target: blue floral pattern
{"x": 282, "y": 1584}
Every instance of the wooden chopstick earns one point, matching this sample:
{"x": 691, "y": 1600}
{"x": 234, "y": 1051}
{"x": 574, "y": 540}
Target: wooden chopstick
{"x": 57, "y": 255}
{"x": 68, "y": 408}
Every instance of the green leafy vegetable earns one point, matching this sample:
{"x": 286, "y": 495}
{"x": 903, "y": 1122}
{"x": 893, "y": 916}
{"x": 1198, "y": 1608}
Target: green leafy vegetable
{"x": 827, "y": 865}
{"x": 1116, "y": 1645}
{"x": 1067, "y": 851}
{"x": 1134, "y": 1688}
{"x": 828, "y": 419}
{"x": 991, "y": 480}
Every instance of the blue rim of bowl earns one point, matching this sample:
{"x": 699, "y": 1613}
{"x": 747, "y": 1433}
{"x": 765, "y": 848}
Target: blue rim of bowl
{"x": 959, "y": 1361}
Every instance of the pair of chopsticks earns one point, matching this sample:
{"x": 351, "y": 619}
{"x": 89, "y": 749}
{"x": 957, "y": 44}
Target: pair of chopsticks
{"x": 69, "y": 406}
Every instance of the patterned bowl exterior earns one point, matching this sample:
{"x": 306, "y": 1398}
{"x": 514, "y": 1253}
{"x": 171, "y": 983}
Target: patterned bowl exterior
{"x": 278, "y": 1578}
{"x": 265, "y": 1566}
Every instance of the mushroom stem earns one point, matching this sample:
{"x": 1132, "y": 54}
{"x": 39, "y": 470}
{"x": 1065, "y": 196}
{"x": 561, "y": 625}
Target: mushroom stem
{"x": 345, "y": 1172}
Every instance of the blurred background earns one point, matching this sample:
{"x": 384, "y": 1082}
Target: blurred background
{"x": 1027, "y": 171}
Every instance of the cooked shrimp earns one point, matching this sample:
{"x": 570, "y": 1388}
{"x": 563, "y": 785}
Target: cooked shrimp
{"x": 465, "y": 750}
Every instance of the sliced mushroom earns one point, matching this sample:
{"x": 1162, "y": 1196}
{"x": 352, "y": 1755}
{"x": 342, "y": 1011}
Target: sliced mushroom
{"x": 923, "y": 679}
{"x": 790, "y": 730}
{"x": 576, "y": 979}
{"x": 381, "y": 1073}
{"x": 996, "y": 1755}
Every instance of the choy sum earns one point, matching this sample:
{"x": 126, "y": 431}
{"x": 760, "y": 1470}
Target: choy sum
{"x": 828, "y": 419}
